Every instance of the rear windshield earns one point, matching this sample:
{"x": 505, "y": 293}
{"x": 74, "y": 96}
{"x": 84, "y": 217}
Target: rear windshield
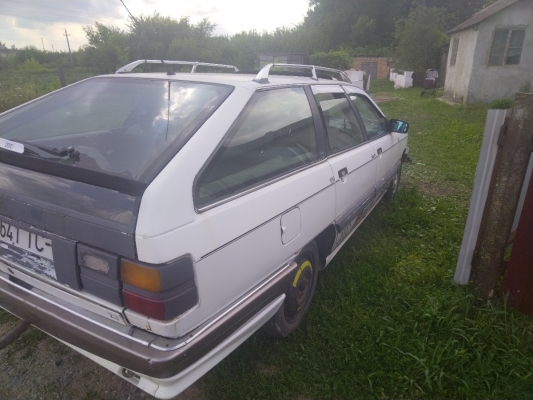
{"x": 122, "y": 126}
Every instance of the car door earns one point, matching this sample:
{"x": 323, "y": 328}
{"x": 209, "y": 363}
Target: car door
{"x": 383, "y": 141}
{"x": 350, "y": 156}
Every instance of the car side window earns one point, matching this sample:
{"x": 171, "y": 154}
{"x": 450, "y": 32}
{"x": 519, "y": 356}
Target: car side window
{"x": 375, "y": 123}
{"x": 342, "y": 126}
{"x": 274, "y": 135}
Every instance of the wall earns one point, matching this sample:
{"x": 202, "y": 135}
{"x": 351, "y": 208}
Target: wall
{"x": 384, "y": 65}
{"x": 498, "y": 82}
{"x": 458, "y": 75}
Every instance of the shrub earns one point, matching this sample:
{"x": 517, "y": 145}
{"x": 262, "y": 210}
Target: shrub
{"x": 501, "y": 104}
{"x": 334, "y": 59}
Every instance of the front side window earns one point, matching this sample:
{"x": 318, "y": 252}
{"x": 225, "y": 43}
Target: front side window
{"x": 117, "y": 125}
{"x": 342, "y": 126}
{"x": 507, "y": 47}
{"x": 275, "y": 135}
{"x": 375, "y": 123}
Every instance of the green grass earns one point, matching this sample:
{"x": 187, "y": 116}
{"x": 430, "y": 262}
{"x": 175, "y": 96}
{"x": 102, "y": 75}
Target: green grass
{"x": 387, "y": 321}
{"x": 26, "y": 83}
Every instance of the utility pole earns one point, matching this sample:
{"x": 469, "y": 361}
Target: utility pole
{"x": 43, "y": 44}
{"x": 68, "y": 44}
{"x": 52, "y": 47}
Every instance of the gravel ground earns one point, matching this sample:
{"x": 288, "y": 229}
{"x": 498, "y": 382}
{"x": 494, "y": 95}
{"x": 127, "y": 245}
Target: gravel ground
{"x": 37, "y": 366}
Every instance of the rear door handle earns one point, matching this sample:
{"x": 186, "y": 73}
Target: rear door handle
{"x": 343, "y": 172}
{"x": 380, "y": 151}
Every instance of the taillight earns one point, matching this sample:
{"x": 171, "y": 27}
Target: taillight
{"x": 151, "y": 308}
{"x": 159, "y": 291}
{"x": 140, "y": 276}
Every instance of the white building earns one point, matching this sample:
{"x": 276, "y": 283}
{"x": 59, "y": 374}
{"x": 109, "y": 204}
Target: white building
{"x": 491, "y": 54}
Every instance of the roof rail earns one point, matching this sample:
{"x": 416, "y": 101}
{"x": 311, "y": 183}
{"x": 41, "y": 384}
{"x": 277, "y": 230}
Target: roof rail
{"x": 129, "y": 67}
{"x": 262, "y": 76}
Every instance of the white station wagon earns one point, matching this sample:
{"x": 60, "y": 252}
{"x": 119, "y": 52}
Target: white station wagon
{"x": 153, "y": 221}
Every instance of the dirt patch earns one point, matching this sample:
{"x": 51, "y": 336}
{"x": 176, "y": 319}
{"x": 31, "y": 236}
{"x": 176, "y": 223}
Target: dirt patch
{"x": 382, "y": 99}
{"x": 266, "y": 370}
{"x": 37, "y": 366}
{"x": 434, "y": 190}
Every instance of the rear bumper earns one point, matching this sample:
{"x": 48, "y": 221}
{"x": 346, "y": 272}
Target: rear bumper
{"x": 129, "y": 347}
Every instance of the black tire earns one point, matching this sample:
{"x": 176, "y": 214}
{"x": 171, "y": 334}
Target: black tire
{"x": 393, "y": 187}
{"x": 298, "y": 295}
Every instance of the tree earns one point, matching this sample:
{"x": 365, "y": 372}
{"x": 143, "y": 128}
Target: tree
{"x": 419, "y": 38}
{"x": 152, "y": 36}
{"x": 461, "y": 10}
{"x": 355, "y": 23}
{"x": 107, "y": 49}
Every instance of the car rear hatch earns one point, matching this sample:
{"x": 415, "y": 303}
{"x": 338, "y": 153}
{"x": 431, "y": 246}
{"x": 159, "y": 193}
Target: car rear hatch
{"x": 73, "y": 167}
{"x": 45, "y": 222}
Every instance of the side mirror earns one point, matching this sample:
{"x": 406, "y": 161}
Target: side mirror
{"x": 395, "y": 125}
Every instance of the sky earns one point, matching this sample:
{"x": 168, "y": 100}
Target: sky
{"x": 43, "y": 22}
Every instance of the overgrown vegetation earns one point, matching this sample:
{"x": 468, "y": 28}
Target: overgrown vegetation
{"x": 31, "y": 79}
{"x": 387, "y": 321}
{"x": 501, "y": 104}
{"x": 333, "y": 59}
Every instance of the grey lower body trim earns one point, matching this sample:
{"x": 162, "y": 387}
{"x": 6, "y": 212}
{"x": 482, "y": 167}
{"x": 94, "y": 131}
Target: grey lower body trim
{"x": 130, "y": 352}
{"x": 355, "y": 210}
{"x": 389, "y": 176}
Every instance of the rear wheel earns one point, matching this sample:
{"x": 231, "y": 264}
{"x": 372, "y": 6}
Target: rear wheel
{"x": 298, "y": 295}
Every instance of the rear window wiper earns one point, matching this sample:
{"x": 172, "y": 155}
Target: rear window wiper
{"x": 63, "y": 152}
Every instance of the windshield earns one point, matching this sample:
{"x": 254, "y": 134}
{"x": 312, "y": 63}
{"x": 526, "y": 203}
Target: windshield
{"x": 117, "y": 125}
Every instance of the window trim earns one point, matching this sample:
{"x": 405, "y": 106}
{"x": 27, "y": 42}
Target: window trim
{"x": 323, "y": 122}
{"x": 246, "y": 109}
{"x": 371, "y": 103}
{"x": 510, "y": 30}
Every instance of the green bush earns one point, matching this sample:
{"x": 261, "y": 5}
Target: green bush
{"x": 501, "y": 104}
{"x": 334, "y": 59}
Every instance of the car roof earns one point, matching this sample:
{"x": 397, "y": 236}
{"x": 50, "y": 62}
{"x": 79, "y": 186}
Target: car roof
{"x": 239, "y": 80}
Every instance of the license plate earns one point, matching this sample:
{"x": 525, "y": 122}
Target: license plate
{"x": 25, "y": 240}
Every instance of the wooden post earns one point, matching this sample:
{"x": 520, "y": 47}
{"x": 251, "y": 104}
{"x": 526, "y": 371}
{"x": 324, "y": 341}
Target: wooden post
{"x": 517, "y": 144}
{"x": 61, "y": 76}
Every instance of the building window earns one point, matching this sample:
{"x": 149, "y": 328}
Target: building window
{"x": 507, "y": 47}
{"x": 455, "y": 49}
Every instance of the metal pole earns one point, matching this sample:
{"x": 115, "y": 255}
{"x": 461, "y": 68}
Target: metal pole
{"x": 500, "y": 208}
{"x": 68, "y": 44}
